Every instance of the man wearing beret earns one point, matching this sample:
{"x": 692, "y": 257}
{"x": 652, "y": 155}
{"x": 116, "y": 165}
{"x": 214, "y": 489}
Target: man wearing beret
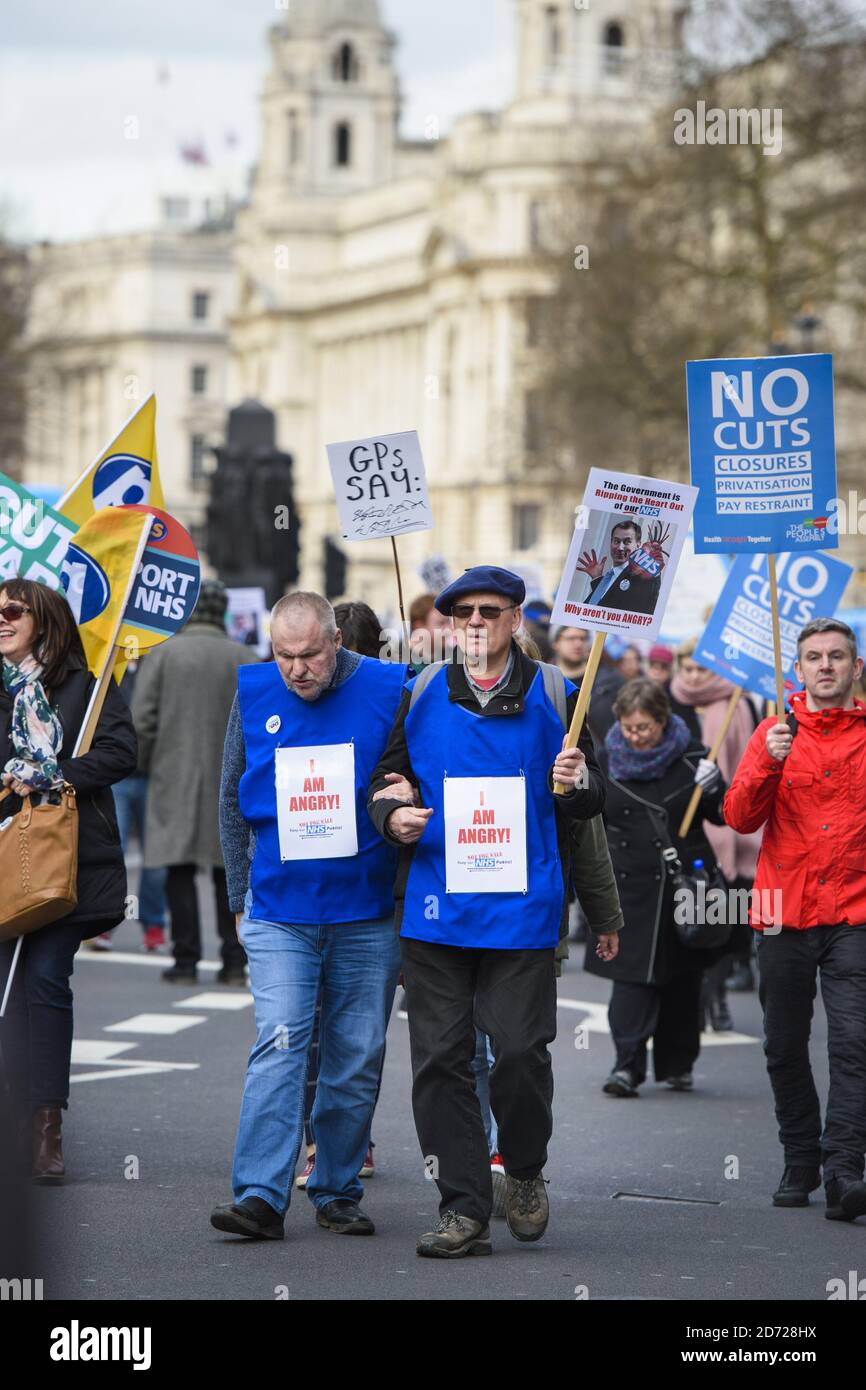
{"x": 479, "y": 894}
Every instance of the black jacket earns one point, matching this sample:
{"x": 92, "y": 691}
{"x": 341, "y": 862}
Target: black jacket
{"x": 639, "y": 595}
{"x": 113, "y": 755}
{"x": 650, "y": 950}
{"x": 580, "y": 804}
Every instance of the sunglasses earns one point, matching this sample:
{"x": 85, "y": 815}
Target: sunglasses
{"x": 11, "y": 612}
{"x": 489, "y": 611}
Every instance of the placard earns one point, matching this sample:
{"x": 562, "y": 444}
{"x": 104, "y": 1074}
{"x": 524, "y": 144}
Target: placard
{"x": 737, "y": 642}
{"x": 763, "y": 454}
{"x": 316, "y": 801}
{"x": 485, "y": 834}
{"x": 623, "y": 554}
{"x": 380, "y": 486}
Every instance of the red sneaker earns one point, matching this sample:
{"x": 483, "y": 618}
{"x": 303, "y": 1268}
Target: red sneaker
{"x": 102, "y": 942}
{"x": 368, "y": 1169}
{"x": 154, "y": 938}
{"x": 303, "y": 1178}
{"x": 497, "y": 1174}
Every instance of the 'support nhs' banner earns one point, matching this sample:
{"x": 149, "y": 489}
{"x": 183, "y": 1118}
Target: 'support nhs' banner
{"x": 763, "y": 455}
{"x": 738, "y": 639}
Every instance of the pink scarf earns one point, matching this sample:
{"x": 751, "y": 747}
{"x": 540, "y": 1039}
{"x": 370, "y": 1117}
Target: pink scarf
{"x": 737, "y": 854}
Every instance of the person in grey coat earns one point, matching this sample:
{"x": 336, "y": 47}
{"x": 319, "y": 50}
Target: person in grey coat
{"x": 181, "y": 707}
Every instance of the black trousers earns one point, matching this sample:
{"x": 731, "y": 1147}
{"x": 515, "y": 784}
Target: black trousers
{"x": 36, "y": 1033}
{"x": 511, "y": 996}
{"x": 185, "y": 927}
{"x": 669, "y": 1014}
{"x": 789, "y": 965}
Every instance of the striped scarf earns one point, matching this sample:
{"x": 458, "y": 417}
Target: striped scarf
{"x": 36, "y": 732}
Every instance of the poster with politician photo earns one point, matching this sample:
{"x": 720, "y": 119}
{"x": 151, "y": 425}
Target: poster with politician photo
{"x": 624, "y": 552}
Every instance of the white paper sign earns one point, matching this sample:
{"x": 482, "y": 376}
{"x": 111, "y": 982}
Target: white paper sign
{"x": 316, "y": 802}
{"x": 624, "y": 553}
{"x": 434, "y": 574}
{"x": 381, "y": 486}
{"x": 485, "y": 834}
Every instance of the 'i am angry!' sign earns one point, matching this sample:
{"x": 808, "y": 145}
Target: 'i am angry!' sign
{"x": 763, "y": 455}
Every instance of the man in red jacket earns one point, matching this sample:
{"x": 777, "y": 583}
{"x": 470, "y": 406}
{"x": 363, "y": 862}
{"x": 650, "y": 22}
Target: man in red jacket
{"x": 805, "y": 782}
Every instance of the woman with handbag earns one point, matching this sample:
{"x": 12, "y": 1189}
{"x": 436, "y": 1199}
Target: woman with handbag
{"x": 44, "y": 695}
{"x": 652, "y": 766}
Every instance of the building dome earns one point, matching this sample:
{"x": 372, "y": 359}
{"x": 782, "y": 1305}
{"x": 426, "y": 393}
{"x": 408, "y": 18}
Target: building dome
{"x": 313, "y": 17}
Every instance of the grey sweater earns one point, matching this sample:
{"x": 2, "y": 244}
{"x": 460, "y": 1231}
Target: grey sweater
{"x": 238, "y": 840}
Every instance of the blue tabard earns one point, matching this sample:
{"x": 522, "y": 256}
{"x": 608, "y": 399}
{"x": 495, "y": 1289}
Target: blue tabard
{"x": 447, "y": 738}
{"x": 357, "y": 888}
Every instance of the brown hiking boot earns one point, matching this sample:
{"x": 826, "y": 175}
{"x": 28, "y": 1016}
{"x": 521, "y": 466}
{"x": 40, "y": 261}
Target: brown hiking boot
{"x": 47, "y": 1149}
{"x": 454, "y": 1237}
{"x": 526, "y": 1207}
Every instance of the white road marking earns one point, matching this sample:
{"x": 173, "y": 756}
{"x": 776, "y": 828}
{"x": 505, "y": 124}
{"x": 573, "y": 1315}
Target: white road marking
{"x": 596, "y": 1022}
{"x": 231, "y": 999}
{"x": 88, "y": 1050}
{"x": 152, "y": 959}
{"x": 127, "y": 1068}
{"x": 155, "y": 1023}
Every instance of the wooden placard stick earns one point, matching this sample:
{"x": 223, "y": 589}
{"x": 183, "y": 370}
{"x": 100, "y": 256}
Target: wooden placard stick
{"x": 406, "y": 646}
{"x": 695, "y": 797}
{"x": 583, "y": 699}
{"x": 777, "y": 638}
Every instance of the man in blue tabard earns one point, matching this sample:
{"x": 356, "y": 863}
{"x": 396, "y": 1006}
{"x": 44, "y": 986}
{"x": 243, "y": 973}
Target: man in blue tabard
{"x": 480, "y": 894}
{"x": 311, "y": 884}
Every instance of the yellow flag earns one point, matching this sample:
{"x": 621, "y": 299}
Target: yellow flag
{"x": 98, "y": 573}
{"x": 126, "y": 472}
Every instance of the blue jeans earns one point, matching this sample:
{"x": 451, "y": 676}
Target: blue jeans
{"x": 353, "y": 966}
{"x": 130, "y": 800}
{"x": 481, "y": 1064}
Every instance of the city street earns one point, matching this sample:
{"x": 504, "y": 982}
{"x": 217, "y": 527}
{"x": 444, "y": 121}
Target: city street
{"x": 157, "y": 1075}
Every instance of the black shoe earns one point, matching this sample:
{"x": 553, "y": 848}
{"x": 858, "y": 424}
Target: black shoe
{"x": 846, "y": 1199}
{"x": 621, "y": 1083}
{"x": 795, "y": 1186}
{"x": 720, "y": 1014}
{"x": 181, "y": 975}
{"x": 344, "y": 1217}
{"x": 741, "y": 979}
{"x": 683, "y": 1082}
{"x": 231, "y": 977}
{"x": 252, "y": 1217}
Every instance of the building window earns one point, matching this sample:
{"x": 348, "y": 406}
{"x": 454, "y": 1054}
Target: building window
{"x": 343, "y": 145}
{"x": 553, "y": 35}
{"x": 525, "y": 526}
{"x": 175, "y": 209}
{"x": 533, "y": 422}
{"x": 200, "y": 304}
{"x": 197, "y": 471}
{"x": 345, "y": 66}
{"x": 614, "y": 42}
{"x": 295, "y": 139}
{"x": 199, "y": 381}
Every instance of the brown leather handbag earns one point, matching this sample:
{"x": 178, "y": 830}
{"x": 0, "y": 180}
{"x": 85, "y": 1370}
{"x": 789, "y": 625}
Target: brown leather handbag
{"x": 38, "y": 864}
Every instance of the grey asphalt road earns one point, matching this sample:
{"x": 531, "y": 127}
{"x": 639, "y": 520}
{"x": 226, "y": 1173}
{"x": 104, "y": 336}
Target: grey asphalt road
{"x": 150, "y": 1131}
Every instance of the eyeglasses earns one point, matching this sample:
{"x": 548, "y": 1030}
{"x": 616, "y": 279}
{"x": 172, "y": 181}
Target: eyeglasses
{"x": 488, "y": 611}
{"x": 12, "y": 612}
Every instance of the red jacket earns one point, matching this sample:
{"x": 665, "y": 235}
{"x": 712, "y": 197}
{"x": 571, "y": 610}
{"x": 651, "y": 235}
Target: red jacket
{"x": 813, "y": 808}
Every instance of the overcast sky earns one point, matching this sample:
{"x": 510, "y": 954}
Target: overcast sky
{"x": 71, "y": 74}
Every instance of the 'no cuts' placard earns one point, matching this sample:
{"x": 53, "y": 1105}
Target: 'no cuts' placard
{"x": 485, "y": 834}
{"x": 763, "y": 453}
{"x": 381, "y": 486}
{"x": 624, "y": 553}
{"x": 737, "y": 642}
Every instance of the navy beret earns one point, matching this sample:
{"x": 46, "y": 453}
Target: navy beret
{"x": 483, "y": 579}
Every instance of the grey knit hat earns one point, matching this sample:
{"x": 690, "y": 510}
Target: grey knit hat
{"x": 213, "y": 600}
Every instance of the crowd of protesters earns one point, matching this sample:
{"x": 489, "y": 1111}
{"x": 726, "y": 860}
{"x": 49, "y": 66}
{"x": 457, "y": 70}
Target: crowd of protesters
{"x": 487, "y": 691}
